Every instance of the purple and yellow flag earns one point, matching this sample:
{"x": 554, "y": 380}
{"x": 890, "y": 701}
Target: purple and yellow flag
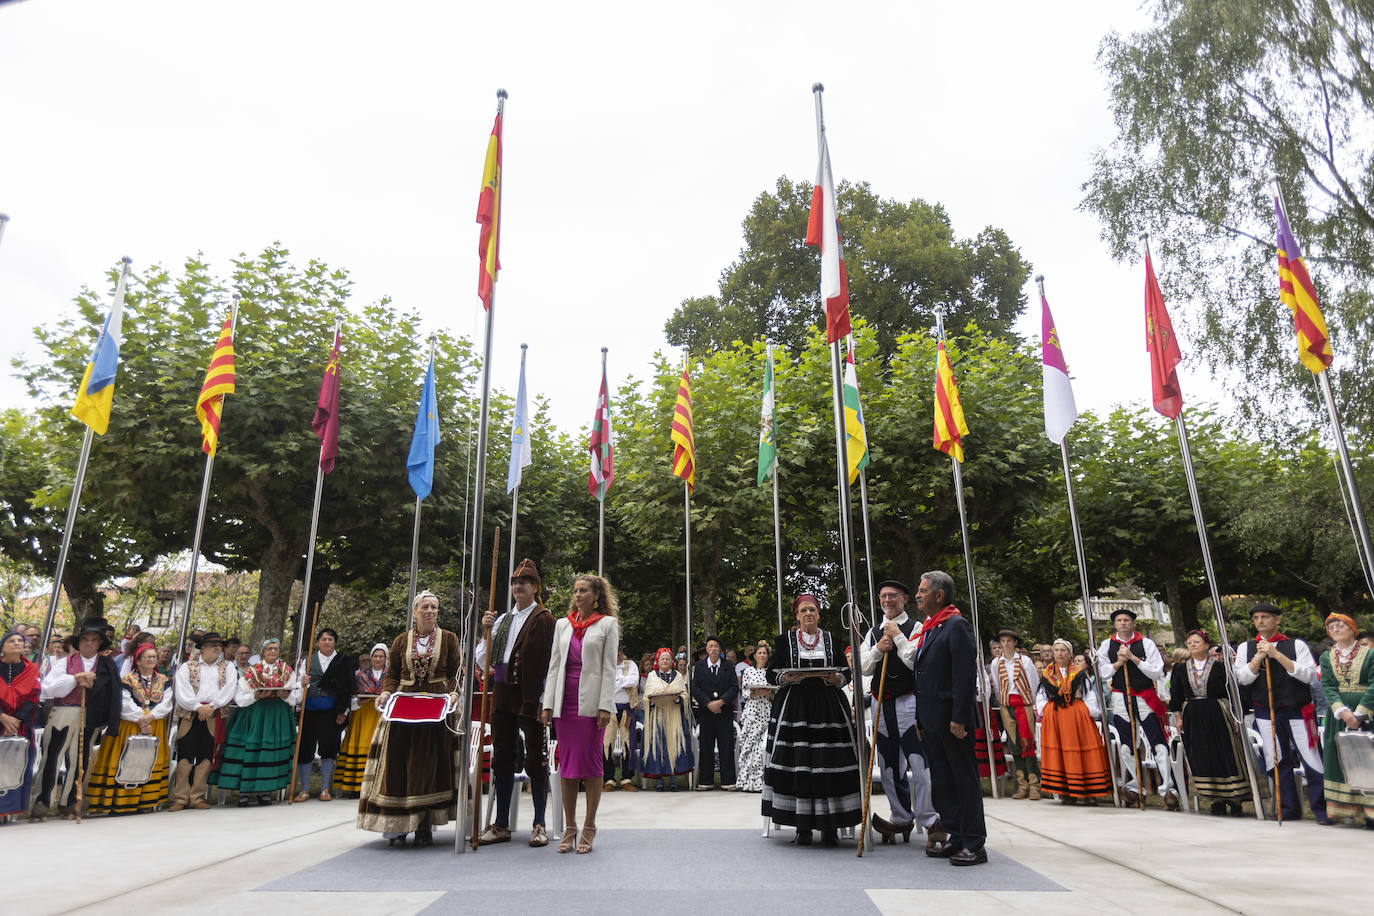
{"x": 1296, "y": 292}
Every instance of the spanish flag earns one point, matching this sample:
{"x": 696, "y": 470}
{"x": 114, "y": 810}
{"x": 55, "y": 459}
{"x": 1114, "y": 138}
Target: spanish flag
{"x": 684, "y": 446}
{"x": 219, "y": 381}
{"x": 950, "y": 427}
{"x": 1296, "y": 292}
{"x": 489, "y": 215}
{"x": 95, "y": 394}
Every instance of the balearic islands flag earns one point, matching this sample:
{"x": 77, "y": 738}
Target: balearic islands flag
{"x": 823, "y": 229}
{"x": 1297, "y": 292}
{"x": 489, "y": 215}
{"x": 1163, "y": 346}
{"x": 326, "y": 421}
{"x": 950, "y": 427}
{"x": 855, "y": 435}
{"x": 684, "y": 445}
{"x": 768, "y": 426}
{"x": 601, "y": 445}
{"x": 219, "y": 381}
{"x": 1060, "y": 408}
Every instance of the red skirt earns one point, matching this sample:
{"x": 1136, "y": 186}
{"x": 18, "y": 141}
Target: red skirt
{"x": 1072, "y": 760}
{"x": 980, "y": 747}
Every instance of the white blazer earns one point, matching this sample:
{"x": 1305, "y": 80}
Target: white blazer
{"x": 596, "y": 686}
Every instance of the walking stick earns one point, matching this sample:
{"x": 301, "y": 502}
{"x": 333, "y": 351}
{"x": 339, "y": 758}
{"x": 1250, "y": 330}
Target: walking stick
{"x": 872, "y": 749}
{"x": 485, "y": 709}
{"x": 300, "y": 723}
{"x": 1135, "y": 745}
{"x": 1274, "y": 741}
{"x": 81, "y": 758}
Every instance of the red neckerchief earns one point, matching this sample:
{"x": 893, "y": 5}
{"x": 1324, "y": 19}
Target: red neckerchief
{"x": 934, "y": 622}
{"x": 1135, "y": 637}
{"x": 579, "y": 625}
{"x": 1277, "y": 637}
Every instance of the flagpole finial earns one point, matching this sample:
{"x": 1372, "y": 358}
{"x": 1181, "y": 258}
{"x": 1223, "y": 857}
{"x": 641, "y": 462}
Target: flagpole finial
{"x": 126, "y": 260}
{"x": 524, "y": 346}
{"x": 1040, "y": 283}
{"x": 236, "y": 295}
{"x": 817, "y": 87}
{"x": 502, "y": 94}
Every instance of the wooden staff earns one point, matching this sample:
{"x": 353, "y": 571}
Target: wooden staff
{"x": 1135, "y": 742}
{"x": 485, "y": 709}
{"x": 81, "y": 755}
{"x": 872, "y": 747}
{"x": 1273, "y": 739}
{"x": 300, "y": 721}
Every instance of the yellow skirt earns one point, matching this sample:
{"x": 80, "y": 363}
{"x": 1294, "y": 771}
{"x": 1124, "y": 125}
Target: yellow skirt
{"x": 348, "y": 771}
{"x": 108, "y": 797}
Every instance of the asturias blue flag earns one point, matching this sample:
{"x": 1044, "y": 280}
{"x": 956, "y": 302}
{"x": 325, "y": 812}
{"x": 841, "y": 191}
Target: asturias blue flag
{"x": 519, "y": 436}
{"x": 420, "y": 464}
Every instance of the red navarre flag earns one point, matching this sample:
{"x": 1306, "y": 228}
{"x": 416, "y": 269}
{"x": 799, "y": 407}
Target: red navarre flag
{"x": 326, "y": 421}
{"x": 1163, "y": 347}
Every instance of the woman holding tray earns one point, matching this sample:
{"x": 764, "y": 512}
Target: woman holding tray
{"x": 811, "y": 780}
{"x": 410, "y": 777}
{"x": 367, "y": 686}
{"x": 259, "y": 754}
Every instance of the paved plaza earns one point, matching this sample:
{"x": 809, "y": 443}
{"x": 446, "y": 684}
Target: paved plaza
{"x": 684, "y": 853}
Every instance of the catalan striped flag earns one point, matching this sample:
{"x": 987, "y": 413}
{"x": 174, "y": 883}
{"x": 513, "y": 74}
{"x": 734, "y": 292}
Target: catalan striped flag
{"x": 823, "y": 230}
{"x": 684, "y": 445}
{"x": 219, "y": 381}
{"x": 489, "y": 215}
{"x": 950, "y": 427}
{"x": 1296, "y": 292}
{"x": 856, "y": 436}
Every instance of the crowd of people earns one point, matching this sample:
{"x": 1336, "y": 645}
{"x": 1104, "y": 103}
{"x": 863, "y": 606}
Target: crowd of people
{"x": 95, "y": 725}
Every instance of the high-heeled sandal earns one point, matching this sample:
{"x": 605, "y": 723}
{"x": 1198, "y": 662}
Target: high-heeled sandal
{"x": 569, "y": 839}
{"x": 584, "y": 842}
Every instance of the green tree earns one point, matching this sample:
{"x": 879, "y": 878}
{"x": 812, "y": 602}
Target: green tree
{"x": 901, "y": 258}
{"x": 1212, "y": 102}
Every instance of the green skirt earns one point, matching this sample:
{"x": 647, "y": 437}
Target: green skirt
{"x": 258, "y": 752}
{"x": 1342, "y": 800}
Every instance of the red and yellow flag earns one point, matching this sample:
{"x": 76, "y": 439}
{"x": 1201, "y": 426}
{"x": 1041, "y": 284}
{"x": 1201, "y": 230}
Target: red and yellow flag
{"x": 684, "y": 446}
{"x": 950, "y": 427}
{"x": 489, "y": 215}
{"x": 219, "y": 381}
{"x": 1297, "y": 292}
{"x": 1162, "y": 344}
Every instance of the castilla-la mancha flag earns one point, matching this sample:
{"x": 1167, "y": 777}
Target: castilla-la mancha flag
{"x": 1163, "y": 346}
{"x": 823, "y": 229}
{"x": 1060, "y": 408}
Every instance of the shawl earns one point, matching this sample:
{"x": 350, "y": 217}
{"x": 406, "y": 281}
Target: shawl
{"x": 23, "y": 689}
{"x": 665, "y": 726}
{"x": 270, "y": 676}
{"x": 146, "y": 699}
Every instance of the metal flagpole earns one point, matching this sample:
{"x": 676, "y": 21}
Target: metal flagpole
{"x": 1232, "y": 688}
{"x": 984, "y": 689}
{"x": 777, "y": 518}
{"x": 868, "y": 549}
{"x": 601, "y": 502}
{"x": 4, "y": 221}
{"x": 415, "y": 529}
{"x": 849, "y": 614}
{"x": 74, "y": 501}
{"x": 515, "y": 501}
{"x": 200, "y": 513}
{"x": 687, "y": 568}
{"x": 478, "y": 492}
{"x": 314, "y": 528}
{"x": 1102, "y": 696}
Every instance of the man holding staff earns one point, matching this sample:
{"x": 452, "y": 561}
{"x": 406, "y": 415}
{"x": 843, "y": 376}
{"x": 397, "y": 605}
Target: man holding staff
{"x": 1280, "y": 670}
{"x": 1131, "y": 663}
{"x": 901, "y": 756}
{"x": 522, "y": 641}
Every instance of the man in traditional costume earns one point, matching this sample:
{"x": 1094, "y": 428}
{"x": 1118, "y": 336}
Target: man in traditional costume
{"x": 901, "y": 756}
{"x": 1280, "y": 669}
{"x": 1014, "y": 676}
{"x": 86, "y": 674}
{"x": 1131, "y": 663}
{"x": 205, "y": 686}
{"x": 522, "y": 641}
{"x": 327, "y": 678}
{"x": 626, "y": 702}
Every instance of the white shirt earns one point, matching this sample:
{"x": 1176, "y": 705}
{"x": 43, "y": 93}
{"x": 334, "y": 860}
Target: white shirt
{"x": 517, "y": 620}
{"x": 1152, "y": 665}
{"x": 210, "y": 693}
{"x": 58, "y": 683}
{"x": 1032, "y": 676}
{"x": 626, "y": 676}
{"x": 870, "y": 658}
{"x": 132, "y": 712}
{"x": 1304, "y": 668}
{"x": 1042, "y": 697}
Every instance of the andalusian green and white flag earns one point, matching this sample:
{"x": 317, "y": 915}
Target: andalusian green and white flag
{"x": 856, "y": 437}
{"x": 768, "y": 442}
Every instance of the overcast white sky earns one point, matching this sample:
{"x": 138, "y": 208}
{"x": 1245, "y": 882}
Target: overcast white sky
{"x": 636, "y": 138}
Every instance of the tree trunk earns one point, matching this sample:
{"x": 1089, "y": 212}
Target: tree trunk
{"x": 1174, "y": 595}
{"x": 280, "y": 562}
{"x": 1042, "y": 617}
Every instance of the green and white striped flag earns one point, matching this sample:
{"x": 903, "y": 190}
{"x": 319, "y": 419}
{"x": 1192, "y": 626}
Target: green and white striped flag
{"x": 768, "y": 442}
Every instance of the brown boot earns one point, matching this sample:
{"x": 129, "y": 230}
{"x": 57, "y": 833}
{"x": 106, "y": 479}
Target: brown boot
{"x": 1022, "y": 786}
{"x": 1035, "y": 787}
{"x": 200, "y": 785}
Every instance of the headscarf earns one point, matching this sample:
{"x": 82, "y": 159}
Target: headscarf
{"x": 1065, "y": 643}
{"x": 796, "y": 602}
{"x": 267, "y": 642}
{"x": 139, "y": 650}
{"x": 659, "y": 654}
{"x": 8, "y": 634}
{"x": 419, "y": 595}
{"x": 383, "y": 646}
{"x": 1201, "y": 634}
{"x": 1343, "y": 618}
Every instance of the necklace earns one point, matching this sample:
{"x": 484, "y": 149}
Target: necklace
{"x": 422, "y": 655}
{"x": 1344, "y": 660}
{"x": 1198, "y": 675}
{"x": 808, "y": 645}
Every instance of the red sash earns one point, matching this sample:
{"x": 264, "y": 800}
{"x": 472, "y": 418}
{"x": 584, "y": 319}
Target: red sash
{"x": 1024, "y": 736}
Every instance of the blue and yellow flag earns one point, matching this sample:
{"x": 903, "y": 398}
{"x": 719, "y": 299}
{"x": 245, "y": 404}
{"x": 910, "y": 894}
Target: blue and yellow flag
{"x": 420, "y": 462}
{"x": 96, "y": 392}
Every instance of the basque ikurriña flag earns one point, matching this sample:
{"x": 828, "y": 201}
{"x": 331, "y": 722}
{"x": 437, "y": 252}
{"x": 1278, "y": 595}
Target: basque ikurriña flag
{"x": 601, "y": 445}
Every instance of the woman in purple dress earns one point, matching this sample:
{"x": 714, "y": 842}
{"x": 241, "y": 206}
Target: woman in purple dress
{"x": 579, "y": 698}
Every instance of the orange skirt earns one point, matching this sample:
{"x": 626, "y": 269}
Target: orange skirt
{"x": 1072, "y": 760}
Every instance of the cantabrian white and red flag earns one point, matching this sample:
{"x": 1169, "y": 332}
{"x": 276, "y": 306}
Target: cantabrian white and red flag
{"x": 823, "y": 230}
{"x": 1060, "y": 408}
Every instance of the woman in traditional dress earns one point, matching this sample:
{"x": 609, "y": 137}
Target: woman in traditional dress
{"x": 811, "y": 780}
{"x": 147, "y": 703}
{"x": 579, "y": 699}
{"x": 758, "y": 701}
{"x": 1211, "y": 738}
{"x": 367, "y": 686}
{"x": 667, "y": 729}
{"x": 409, "y": 782}
{"x": 1073, "y": 763}
{"x": 20, "y": 686}
{"x": 259, "y": 753}
{"x": 1348, "y": 682}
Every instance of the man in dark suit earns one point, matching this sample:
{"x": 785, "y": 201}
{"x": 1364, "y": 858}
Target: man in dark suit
{"x": 946, "y": 681}
{"x": 714, "y": 688}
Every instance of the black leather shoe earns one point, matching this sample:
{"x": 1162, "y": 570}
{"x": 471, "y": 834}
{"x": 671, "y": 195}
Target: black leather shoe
{"x": 829, "y": 838}
{"x": 803, "y": 837}
{"x": 969, "y": 857}
{"x": 945, "y": 850}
